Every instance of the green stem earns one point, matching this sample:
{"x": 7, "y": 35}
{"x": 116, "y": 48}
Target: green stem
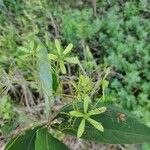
{"x": 80, "y": 65}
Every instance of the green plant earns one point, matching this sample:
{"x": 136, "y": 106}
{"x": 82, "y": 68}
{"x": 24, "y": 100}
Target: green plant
{"x": 124, "y": 40}
{"x": 86, "y": 117}
{"x": 6, "y": 112}
{"x": 82, "y": 117}
{"x": 79, "y": 25}
{"x": 118, "y": 36}
{"x": 61, "y": 56}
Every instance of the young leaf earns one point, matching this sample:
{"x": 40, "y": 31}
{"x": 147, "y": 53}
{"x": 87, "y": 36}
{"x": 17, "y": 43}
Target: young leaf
{"x": 73, "y": 60}
{"x": 96, "y": 124}
{"x": 52, "y": 56}
{"x": 125, "y": 131}
{"x": 81, "y": 128}
{"x": 97, "y": 111}
{"x": 62, "y": 67}
{"x": 86, "y": 103}
{"x": 58, "y": 46}
{"x": 75, "y": 114}
{"x": 68, "y": 49}
{"x": 89, "y": 54}
{"x": 45, "y": 141}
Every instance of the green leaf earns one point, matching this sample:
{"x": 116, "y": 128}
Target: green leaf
{"x": 96, "y": 124}
{"x": 97, "y": 111}
{"x": 75, "y": 114}
{"x": 52, "y": 56}
{"x": 89, "y": 54}
{"x": 105, "y": 84}
{"x": 73, "y": 60}
{"x": 81, "y": 128}
{"x": 45, "y": 78}
{"x": 68, "y": 49}
{"x": 58, "y": 46}
{"x": 117, "y": 130}
{"x": 62, "y": 67}
{"x": 86, "y": 103}
{"x": 45, "y": 141}
{"x": 25, "y": 141}
{"x": 55, "y": 80}
{"x": 23, "y": 49}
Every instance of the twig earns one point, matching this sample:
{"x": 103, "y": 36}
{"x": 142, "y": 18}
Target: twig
{"x": 94, "y": 7}
{"x": 26, "y": 98}
{"x": 54, "y": 25}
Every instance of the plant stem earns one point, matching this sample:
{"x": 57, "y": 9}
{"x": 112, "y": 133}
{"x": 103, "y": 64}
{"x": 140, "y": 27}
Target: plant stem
{"x": 80, "y": 65}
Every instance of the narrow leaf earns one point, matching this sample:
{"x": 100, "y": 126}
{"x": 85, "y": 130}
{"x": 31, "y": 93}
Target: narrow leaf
{"x": 58, "y": 46}
{"x": 89, "y": 54}
{"x": 52, "y": 56}
{"x": 75, "y": 114}
{"x": 96, "y": 124}
{"x": 81, "y": 128}
{"x": 86, "y": 103}
{"x": 68, "y": 49}
{"x": 97, "y": 111}
{"x": 62, "y": 67}
{"x": 55, "y": 80}
{"x": 73, "y": 60}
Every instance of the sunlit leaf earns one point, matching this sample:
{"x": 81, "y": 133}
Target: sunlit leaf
{"x": 73, "y": 60}
{"x": 76, "y": 114}
{"x": 96, "y": 124}
{"x": 68, "y": 49}
{"x": 97, "y": 111}
{"x": 81, "y": 128}
{"x": 86, "y": 103}
{"x": 62, "y": 67}
{"x": 58, "y": 46}
{"x": 52, "y": 56}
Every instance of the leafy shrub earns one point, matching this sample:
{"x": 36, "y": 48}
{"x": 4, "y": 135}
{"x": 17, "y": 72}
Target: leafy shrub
{"x": 82, "y": 117}
{"x": 79, "y": 25}
{"x": 125, "y": 41}
{"x": 118, "y": 37}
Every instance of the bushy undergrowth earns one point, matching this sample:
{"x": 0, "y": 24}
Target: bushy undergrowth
{"x": 118, "y": 36}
